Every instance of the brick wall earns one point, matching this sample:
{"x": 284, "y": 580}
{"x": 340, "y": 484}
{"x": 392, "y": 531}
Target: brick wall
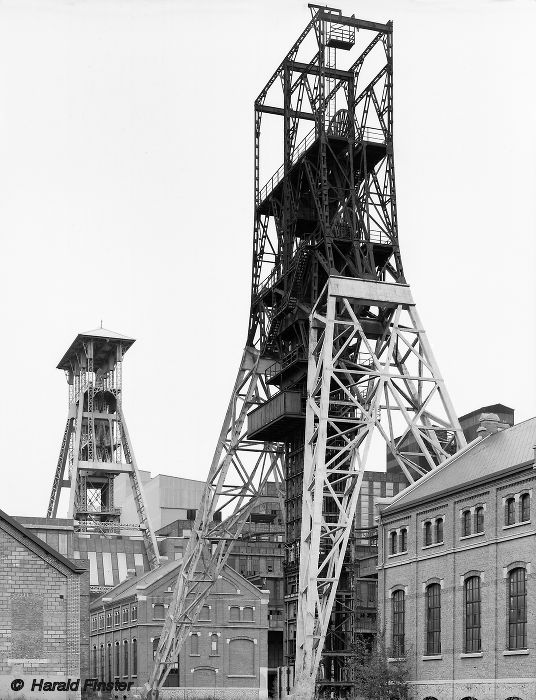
{"x": 39, "y": 614}
{"x": 495, "y": 673}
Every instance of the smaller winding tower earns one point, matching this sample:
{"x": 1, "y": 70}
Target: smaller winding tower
{"x": 96, "y": 446}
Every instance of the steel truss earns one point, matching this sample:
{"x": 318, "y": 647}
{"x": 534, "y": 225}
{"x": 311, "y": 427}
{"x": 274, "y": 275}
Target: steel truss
{"x": 96, "y": 446}
{"x": 325, "y": 220}
{"x": 240, "y": 471}
{"x": 359, "y": 382}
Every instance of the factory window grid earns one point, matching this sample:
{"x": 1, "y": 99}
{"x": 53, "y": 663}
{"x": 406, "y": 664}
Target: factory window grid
{"x": 472, "y": 601}
{"x": 398, "y": 623}
{"x": 517, "y": 609}
{"x": 433, "y": 619}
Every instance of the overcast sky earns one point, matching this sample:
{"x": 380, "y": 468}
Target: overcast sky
{"x": 126, "y": 195}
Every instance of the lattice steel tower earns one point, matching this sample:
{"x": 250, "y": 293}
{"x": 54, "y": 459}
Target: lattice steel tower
{"x": 96, "y": 446}
{"x": 335, "y": 350}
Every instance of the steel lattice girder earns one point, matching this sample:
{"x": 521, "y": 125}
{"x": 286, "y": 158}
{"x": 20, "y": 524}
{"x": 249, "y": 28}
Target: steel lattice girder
{"x": 240, "y": 471}
{"x": 357, "y": 381}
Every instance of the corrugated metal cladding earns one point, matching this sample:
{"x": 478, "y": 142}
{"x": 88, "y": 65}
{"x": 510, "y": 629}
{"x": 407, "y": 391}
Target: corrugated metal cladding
{"x": 109, "y": 567}
{"x": 493, "y": 454}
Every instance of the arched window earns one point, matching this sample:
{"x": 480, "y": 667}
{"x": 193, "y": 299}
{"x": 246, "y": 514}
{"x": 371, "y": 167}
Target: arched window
{"x": 439, "y": 530}
{"x": 398, "y": 615}
{"x": 429, "y": 697}
{"x": 394, "y": 542}
{"x": 525, "y": 507}
{"x": 517, "y": 609}
{"x": 433, "y": 619}
{"x": 472, "y": 615}
{"x": 510, "y": 511}
{"x": 125, "y": 658}
{"x": 468, "y": 698}
{"x": 466, "y": 523}
{"x": 117, "y": 660}
{"x": 241, "y": 657}
{"x": 94, "y": 670}
{"x": 427, "y": 533}
{"x": 513, "y": 698}
{"x": 156, "y": 642}
{"x": 213, "y": 644}
{"x": 205, "y": 613}
{"x": 134, "y": 657}
{"x": 479, "y": 519}
{"x": 194, "y": 645}
{"x": 102, "y": 671}
{"x": 234, "y": 613}
{"x": 109, "y": 663}
{"x": 248, "y": 614}
{"x": 403, "y": 540}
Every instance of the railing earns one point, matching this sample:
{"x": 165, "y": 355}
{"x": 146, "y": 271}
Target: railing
{"x": 365, "y": 133}
{"x": 298, "y": 353}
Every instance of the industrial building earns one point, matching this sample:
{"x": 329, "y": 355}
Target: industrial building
{"x": 44, "y": 612}
{"x": 227, "y": 650}
{"x": 455, "y": 571}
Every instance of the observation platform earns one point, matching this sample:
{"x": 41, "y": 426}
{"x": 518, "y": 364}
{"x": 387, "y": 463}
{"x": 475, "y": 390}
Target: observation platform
{"x": 284, "y": 413}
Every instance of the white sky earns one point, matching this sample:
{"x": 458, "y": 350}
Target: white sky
{"x": 126, "y": 143}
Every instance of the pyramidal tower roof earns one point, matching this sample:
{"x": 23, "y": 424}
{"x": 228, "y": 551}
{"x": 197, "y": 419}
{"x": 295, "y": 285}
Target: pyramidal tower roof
{"x": 103, "y": 336}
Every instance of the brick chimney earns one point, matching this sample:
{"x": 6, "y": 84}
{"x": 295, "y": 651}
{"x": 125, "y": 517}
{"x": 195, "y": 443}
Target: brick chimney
{"x": 490, "y": 423}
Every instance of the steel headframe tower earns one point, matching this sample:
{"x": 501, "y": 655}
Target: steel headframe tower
{"x": 96, "y": 445}
{"x": 335, "y": 350}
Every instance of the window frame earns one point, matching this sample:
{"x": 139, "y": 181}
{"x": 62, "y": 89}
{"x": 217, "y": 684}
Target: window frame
{"x": 433, "y": 619}
{"x": 427, "y": 533}
{"x": 125, "y": 658}
{"x": 466, "y": 523}
{"x": 524, "y": 512}
{"x": 393, "y": 542}
{"x": 439, "y": 525}
{"x": 403, "y": 540}
{"x": 472, "y": 599}
{"x": 398, "y": 622}
{"x": 479, "y": 521}
{"x": 517, "y": 611}
{"x": 510, "y": 511}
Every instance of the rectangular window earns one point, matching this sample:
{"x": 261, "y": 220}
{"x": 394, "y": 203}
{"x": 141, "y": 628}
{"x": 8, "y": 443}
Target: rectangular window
{"x": 108, "y": 619}
{"x": 125, "y": 616}
{"x": 101, "y": 621}
{"x": 510, "y": 511}
{"x": 117, "y": 617}
{"x": 525, "y": 508}
{"x": 134, "y": 613}
{"x": 93, "y": 623}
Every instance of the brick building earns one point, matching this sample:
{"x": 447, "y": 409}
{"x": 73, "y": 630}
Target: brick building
{"x": 44, "y": 604}
{"x": 224, "y": 657}
{"x": 456, "y": 572}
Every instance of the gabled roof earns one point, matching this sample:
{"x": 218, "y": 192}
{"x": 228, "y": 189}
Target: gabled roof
{"x": 105, "y": 333}
{"x": 41, "y": 544}
{"x": 482, "y": 459}
{"x": 128, "y": 588}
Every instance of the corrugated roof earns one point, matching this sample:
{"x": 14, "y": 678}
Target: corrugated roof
{"x": 480, "y": 459}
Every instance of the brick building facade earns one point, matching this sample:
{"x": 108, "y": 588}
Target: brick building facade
{"x": 457, "y": 571}
{"x": 44, "y": 602}
{"x": 224, "y": 657}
